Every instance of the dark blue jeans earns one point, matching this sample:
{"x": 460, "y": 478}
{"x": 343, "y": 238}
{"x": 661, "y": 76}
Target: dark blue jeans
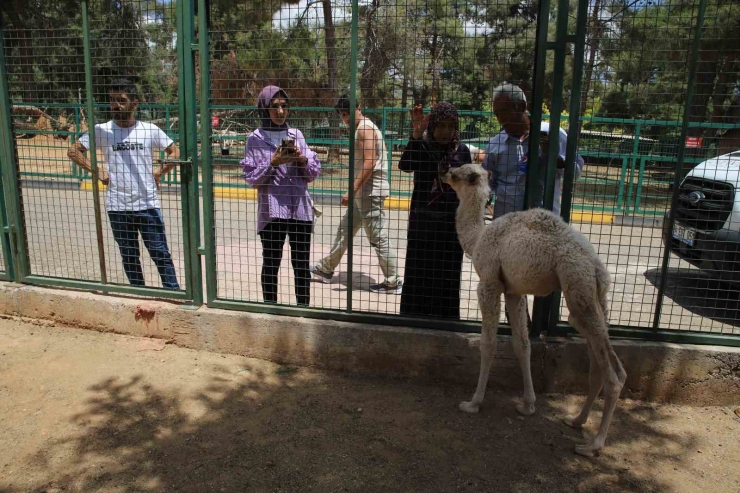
{"x": 126, "y": 226}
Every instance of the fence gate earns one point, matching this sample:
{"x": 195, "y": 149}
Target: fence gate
{"x": 7, "y": 175}
{"x": 6, "y": 271}
{"x": 60, "y": 229}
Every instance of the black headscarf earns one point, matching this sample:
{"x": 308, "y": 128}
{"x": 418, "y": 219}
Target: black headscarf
{"x": 443, "y": 154}
{"x": 442, "y": 111}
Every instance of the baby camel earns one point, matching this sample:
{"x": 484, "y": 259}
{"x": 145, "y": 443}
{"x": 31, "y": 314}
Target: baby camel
{"x": 536, "y": 252}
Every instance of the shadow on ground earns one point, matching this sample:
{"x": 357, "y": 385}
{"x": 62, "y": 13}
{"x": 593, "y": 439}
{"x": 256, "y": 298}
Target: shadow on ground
{"x": 294, "y": 431}
{"x": 360, "y": 281}
{"x": 700, "y": 294}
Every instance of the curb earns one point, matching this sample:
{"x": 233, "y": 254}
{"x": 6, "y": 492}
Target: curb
{"x": 590, "y": 218}
{"x": 662, "y": 372}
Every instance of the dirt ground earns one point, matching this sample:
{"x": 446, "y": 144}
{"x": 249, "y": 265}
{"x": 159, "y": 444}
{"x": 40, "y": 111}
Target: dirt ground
{"x": 83, "y": 411}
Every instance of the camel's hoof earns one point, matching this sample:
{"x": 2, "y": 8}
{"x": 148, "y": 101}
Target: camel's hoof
{"x": 587, "y": 450}
{"x": 525, "y": 409}
{"x": 571, "y": 421}
{"x": 469, "y": 407}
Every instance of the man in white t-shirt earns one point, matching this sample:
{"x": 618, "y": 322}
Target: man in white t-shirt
{"x": 131, "y": 199}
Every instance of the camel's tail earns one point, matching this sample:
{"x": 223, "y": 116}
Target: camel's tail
{"x": 603, "y": 282}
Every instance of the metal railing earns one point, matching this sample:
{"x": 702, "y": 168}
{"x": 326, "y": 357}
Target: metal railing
{"x": 201, "y": 72}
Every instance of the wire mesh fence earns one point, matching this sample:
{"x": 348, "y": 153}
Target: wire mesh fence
{"x": 132, "y": 48}
{"x": 67, "y": 235}
{"x": 60, "y": 233}
{"x": 639, "y": 62}
{"x": 309, "y": 203}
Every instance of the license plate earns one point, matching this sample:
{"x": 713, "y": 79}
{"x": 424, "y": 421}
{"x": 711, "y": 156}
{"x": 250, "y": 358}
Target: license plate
{"x": 684, "y": 234}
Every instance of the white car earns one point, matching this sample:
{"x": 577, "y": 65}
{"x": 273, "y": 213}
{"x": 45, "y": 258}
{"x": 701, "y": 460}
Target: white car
{"x": 706, "y": 231}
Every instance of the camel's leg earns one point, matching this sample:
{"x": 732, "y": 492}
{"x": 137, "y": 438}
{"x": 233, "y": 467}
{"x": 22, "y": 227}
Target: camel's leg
{"x": 489, "y": 300}
{"x": 613, "y": 377}
{"x": 595, "y": 383}
{"x": 517, "y": 308}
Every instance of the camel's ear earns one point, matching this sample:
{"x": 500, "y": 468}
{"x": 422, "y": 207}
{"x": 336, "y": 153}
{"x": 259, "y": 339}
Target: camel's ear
{"x": 489, "y": 175}
{"x": 473, "y": 178}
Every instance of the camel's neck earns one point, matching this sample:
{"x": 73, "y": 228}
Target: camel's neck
{"x": 470, "y": 222}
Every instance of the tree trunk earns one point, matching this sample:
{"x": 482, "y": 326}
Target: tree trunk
{"x": 373, "y": 67}
{"x": 437, "y": 49}
{"x": 404, "y": 104}
{"x": 331, "y": 66}
{"x": 593, "y": 48}
{"x": 706, "y": 75}
{"x": 330, "y": 43}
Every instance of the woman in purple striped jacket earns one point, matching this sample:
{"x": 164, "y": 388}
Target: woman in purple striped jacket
{"x": 278, "y": 162}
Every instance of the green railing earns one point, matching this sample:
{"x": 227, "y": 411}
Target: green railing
{"x": 621, "y": 148}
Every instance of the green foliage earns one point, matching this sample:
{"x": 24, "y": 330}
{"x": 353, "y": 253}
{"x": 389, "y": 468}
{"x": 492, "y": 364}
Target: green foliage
{"x": 645, "y": 64}
{"x": 416, "y": 51}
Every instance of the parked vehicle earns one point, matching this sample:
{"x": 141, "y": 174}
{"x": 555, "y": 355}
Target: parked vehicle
{"x": 706, "y": 230}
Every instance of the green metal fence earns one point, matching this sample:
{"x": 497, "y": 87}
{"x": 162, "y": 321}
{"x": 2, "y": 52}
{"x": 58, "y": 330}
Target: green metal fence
{"x": 643, "y": 78}
{"x": 631, "y": 174}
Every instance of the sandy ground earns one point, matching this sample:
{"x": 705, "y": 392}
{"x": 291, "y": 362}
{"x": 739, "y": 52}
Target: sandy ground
{"x": 84, "y": 411}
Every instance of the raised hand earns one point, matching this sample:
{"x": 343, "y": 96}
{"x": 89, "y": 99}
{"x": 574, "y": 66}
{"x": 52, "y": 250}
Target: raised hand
{"x": 419, "y": 121}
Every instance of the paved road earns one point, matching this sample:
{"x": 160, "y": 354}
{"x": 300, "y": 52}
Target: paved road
{"x": 61, "y": 234}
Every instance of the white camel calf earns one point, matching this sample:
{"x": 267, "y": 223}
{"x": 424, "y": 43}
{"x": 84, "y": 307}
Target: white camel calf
{"x": 536, "y": 252}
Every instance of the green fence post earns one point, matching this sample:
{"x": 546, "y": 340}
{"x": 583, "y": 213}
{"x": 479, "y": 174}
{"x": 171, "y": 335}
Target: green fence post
{"x": 352, "y": 123}
{"x": 574, "y": 121}
{"x": 638, "y": 193}
{"x": 633, "y": 163}
{"x": 168, "y": 179}
{"x": 75, "y": 172}
{"x": 679, "y": 161}
{"x": 543, "y": 306}
{"x": 574, "y": 127}
{"x": 91, "y": 131}
{"x": 532, "y": 193}
{"x": 209, "y": 230}
{"x": 556, "y": 110}
{"x": 389, "y": 147}
{"x": 188, "y": 148}
{"x": 6, "y": 267}
{"x": 622, "y": 184}
{"x": 15, "y": 235}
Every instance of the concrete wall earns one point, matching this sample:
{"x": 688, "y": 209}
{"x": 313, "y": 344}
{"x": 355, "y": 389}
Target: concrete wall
{"x": 702, "y": 375}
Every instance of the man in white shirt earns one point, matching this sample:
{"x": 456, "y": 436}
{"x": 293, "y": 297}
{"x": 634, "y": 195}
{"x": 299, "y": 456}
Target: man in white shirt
{"x": 131, "y": 199}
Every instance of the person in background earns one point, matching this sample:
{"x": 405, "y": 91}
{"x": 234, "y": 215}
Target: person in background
{"x": 433, "y": 252}
{"x": 507, "y": 153}
{"x": 278, "y": 162}
{"x": 131, "y": 199}
{"x": 371, "y": 187}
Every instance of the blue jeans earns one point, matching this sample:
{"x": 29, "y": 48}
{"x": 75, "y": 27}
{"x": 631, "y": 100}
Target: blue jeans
{"x": 126, "y": 226}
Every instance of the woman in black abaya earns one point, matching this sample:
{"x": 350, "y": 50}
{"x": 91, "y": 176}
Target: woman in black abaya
{"x": 434, "y": 256}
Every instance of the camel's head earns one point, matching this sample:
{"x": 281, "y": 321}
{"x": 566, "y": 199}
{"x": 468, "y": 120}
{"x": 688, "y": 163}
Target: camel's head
{"x": 470, "y": 178}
